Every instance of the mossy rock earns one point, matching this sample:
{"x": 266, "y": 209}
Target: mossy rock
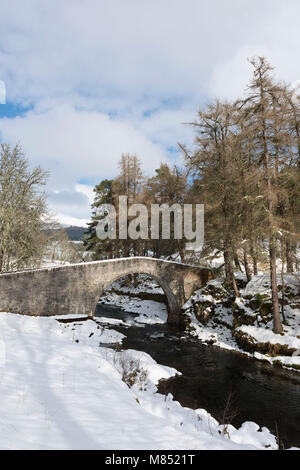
{"x": 228, "y": 302}
{"x": 262, "y": 305}
{"x": 241, "y": 283}
{"x": 266, "y": 310}
{"x": 257, "y": 301}
{"x": 277, "y": 363}
{"x": 294, "y": 305}
{"x": 204, "y": 311}
{"x": 217, "y": 292}
{"x": 241, "y": 317}
{"x": 249, "y": 344}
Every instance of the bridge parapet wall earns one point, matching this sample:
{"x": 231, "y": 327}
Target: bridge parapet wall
{"x": 76, "y": 288}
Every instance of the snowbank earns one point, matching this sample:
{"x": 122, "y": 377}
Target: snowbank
{"x": 60, "y": 390}
{"x": 130, "y": 299}
{"x": 262, "y": 335}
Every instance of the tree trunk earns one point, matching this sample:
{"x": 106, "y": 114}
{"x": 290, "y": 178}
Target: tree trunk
{"x": 254, "y": 259}
{"x": 1, "y": 260}
{"x": 126, "y": 248}
{"x": 277, "y": 327}
{"x": 246, "y": 264}
{"x": 135, "y": 280}
{"x": 289, "y": 257}
{"x": 283, "y": 256}
{"x": 227, "y": 267}
{"x": 230, "y": 279}
{"x": 181, "y": 250}
{"x": 237, "y": 262}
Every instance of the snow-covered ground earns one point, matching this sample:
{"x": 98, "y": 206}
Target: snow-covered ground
{"x": 149, "y": 311}
{"x": 60, "y": 390}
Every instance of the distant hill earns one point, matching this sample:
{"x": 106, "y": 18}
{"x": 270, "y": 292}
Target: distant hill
{"x": 75, "y": 233}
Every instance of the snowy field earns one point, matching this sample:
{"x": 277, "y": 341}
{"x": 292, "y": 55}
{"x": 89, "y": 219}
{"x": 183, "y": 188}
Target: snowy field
{"x": 60, "y": 390}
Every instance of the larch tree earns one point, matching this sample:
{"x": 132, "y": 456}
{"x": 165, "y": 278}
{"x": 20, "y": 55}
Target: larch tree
{"x": 129, "y": 182}
{"x": 168, "y": 186}
{"x": 263, "y": 114}
{"x": 213, "y": 162}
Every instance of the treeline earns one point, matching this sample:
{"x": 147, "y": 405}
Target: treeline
{"x": 168, "y": 185}
{"x": 244, "y": 167}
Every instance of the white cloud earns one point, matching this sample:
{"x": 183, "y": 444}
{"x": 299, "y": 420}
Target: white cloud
{"x": 275, "y": 36}
{"x": 150, "y": 65}
{"x": 2, "y": 92}
{"x": 69, "y": 220}
{"x": 79, "y": 144}
{"x": 76, "y": 145}
{"x": 168, "y": 126}
{"x": 88, "y": 191}
{"x": 133, "y": 49}
{"x": 74, "y": 202}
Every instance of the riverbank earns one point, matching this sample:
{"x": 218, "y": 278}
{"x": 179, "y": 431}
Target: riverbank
{"x": 243, "y": 325}
{"x": 60, "y": 390}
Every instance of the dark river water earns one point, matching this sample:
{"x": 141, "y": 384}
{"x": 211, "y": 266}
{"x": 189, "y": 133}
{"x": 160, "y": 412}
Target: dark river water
{"x": 267, "y": 395}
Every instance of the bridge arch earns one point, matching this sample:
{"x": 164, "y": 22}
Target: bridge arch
{"x": 76, "y": 288}
{"x": 171, "y": 301}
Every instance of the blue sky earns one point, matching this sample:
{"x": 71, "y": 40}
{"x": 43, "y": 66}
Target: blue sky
{"x": 88, "y": 81}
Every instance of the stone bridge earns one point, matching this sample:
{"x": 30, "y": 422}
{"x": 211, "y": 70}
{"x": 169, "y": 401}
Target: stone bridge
{"x": 76, "y": 288}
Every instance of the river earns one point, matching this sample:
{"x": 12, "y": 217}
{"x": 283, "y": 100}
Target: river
{"x": 260, "y": 392}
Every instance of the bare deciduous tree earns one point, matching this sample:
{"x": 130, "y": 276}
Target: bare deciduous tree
{"x": 23, "y": 210}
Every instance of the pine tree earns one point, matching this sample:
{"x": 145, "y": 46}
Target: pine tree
{"x": 101, "y": 249}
